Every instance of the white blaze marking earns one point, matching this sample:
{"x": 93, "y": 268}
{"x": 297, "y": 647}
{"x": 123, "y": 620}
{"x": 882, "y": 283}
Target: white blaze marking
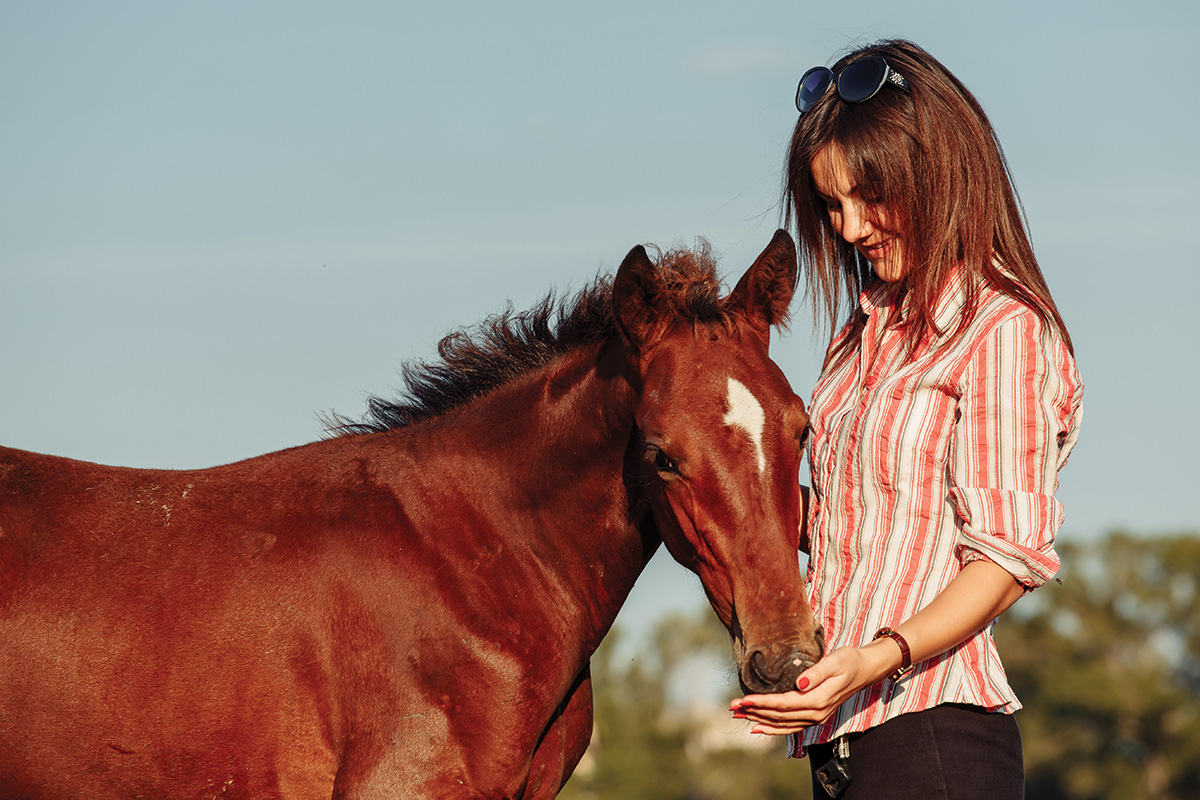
{"x": 746, "y": 412}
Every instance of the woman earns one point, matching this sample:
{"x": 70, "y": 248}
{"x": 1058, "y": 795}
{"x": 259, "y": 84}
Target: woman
{"x": 945, "y": 407}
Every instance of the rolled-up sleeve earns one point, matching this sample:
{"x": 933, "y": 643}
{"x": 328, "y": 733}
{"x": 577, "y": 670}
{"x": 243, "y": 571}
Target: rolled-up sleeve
{"x": 1018, "y": 418}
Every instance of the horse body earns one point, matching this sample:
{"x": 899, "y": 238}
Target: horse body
{"x": 406, "y": 613}
{"x": 386, "y": 647}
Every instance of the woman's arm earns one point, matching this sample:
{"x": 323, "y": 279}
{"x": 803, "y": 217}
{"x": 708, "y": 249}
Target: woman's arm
{"x": 979, "y": 594}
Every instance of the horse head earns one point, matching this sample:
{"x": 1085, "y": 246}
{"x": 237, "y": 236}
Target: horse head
{"x": 717, "y": 451}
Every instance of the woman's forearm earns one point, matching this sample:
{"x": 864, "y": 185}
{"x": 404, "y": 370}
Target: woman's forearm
{"x": 977, "y": 595}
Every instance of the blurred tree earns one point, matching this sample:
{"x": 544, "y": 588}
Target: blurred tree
{"x": 1107, "y": 665}
{"x": 1108, "y": 668}
{"x": 654, "y": 740}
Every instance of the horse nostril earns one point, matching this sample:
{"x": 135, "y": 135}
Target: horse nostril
{"x": 758, "y": 674}
{"x": 760, "y": 668}
{"x": 761, "y": 674}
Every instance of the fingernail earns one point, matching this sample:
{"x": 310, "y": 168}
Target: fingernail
{"x": 739, "y": 715}
{"x": 802, "y": 684}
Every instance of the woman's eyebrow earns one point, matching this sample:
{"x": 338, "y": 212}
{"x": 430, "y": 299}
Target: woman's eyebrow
{"x": 852, "y": 193}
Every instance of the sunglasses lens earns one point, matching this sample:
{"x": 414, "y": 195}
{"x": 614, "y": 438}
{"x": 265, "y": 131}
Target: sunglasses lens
{"x": 861, "y": 80}
{"x": 813, "y": 85}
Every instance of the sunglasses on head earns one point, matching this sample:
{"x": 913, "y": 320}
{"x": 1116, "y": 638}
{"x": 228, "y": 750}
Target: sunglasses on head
{"x": 857, "y": 82}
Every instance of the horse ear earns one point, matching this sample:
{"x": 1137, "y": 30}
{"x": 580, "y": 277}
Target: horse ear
{"x": 634, "y": 290}
{"x": 766, "y": 290}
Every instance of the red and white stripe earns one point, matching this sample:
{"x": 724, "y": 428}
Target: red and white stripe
{"x": 922, "y": 463}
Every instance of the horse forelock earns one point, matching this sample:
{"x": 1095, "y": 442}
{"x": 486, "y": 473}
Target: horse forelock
{"x": 476, "y": 360}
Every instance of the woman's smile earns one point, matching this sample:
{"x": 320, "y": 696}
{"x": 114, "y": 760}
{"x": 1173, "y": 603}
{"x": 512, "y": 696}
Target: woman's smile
{"x": 876, "y": 251}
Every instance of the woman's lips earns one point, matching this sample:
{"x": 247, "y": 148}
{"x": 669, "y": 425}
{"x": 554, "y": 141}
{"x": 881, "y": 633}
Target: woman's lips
{"x": 876, "y": 251}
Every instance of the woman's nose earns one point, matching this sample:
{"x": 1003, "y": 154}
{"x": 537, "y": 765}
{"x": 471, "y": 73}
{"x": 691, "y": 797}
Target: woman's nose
{"x": 855, "y": 224}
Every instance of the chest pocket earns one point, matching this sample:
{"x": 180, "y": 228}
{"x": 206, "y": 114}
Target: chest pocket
{"x": 907, "y": 435}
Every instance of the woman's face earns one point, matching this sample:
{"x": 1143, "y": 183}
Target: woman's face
{"x": 861, "y": 221}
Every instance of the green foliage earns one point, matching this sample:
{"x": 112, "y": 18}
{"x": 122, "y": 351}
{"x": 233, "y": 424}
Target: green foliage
{"x": 647, "y": 745}
{"x": 1108, "y": 668}
{"x": 1107, "y": 665}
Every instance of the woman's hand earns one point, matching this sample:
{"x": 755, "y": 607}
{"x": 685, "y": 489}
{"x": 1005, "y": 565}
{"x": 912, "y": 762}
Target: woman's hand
{"x": 979, "y": 594}
{"x": 820, "y": 689}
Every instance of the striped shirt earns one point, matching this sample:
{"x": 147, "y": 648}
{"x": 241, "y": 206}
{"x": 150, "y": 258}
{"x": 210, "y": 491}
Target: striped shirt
{"x": 922, "y": 463}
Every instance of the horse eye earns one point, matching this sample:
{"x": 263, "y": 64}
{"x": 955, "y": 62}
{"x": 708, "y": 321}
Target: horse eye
{"x": 661, "y": 461}
{"x": 802, "y": 437}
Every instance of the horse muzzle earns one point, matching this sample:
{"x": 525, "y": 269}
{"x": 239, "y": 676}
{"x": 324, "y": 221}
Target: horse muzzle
{"x": 771, "y": 669}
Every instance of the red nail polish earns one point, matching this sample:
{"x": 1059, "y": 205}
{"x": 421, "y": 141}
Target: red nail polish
{"x": 802, "y": 684}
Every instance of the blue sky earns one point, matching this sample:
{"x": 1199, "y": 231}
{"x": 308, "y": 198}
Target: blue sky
{"x": 219, "y": 220}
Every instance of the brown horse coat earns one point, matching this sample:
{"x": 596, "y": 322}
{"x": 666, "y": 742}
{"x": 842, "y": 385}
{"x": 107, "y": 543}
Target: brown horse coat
{"x": 408, "y": 612}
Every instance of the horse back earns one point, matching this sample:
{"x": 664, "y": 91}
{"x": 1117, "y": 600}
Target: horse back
{"x": 182, "y": 632}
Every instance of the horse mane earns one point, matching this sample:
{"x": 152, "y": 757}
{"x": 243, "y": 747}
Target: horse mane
{"x": 476, "y": 360}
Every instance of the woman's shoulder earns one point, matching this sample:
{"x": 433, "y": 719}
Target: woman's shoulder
{"x": 1013, "y": 329}
{"x": 998, "y": 306}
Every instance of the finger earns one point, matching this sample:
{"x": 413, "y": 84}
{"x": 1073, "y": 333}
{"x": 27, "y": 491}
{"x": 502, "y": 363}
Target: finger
{"x": 779, "y": 730}
{"x": 781, "y": 701}
{"x": 770, "y": 716}
{"x": 815, "y": 675}
{"x": 756, "y": 701}
{"x": 807, "y": 681}
{"x": 814, "y": 695}
{"x": 806, "y": 714}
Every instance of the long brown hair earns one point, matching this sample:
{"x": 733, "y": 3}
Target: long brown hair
{"x": 932, "y": 159}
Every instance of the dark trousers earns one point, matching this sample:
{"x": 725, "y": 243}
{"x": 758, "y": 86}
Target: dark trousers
{"x": 950, "y": 751}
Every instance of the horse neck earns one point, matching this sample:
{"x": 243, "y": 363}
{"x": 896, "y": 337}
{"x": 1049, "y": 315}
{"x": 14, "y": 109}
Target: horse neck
{"x": 557, "y": 440}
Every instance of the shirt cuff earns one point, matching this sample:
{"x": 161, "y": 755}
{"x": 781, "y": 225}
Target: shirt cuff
{"x": 1014, "y": 530}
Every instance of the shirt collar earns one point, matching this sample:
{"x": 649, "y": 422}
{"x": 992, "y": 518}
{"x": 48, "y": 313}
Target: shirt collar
{"x": 951, "y": 299}
{"x": 879, "y": 295}
{"x": 882, "y": 296}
